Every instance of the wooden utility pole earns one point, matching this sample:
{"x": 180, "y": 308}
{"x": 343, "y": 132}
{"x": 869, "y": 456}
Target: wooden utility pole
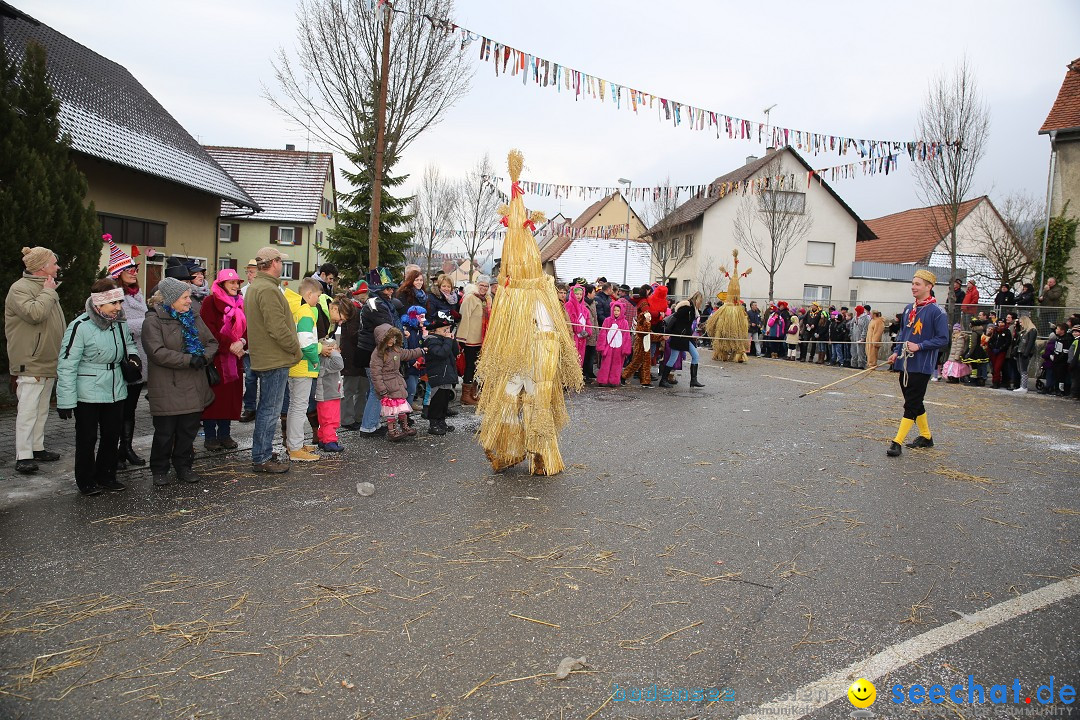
{"x": 380, "y": 142}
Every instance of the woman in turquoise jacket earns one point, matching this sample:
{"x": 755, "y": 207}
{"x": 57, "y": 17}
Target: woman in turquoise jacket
{"x": 91, "y": 386}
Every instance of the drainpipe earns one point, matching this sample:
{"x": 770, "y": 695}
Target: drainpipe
{"x": 1049, "y": 199}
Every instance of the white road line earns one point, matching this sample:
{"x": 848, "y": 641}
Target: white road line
{"x": 804, "y": 382}
{"x": 834, "y": 687}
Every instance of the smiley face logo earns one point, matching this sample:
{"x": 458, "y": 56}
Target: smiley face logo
{"x": 862, "y": 693}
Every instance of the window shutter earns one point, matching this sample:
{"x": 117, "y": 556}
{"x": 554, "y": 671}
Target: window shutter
{"x": 296, "y": 271}
{"x": 232, "y": 262}
{"x": 235, "y": 233}
{"x": 273, "y": 233}
{"x": 298, "y": 236}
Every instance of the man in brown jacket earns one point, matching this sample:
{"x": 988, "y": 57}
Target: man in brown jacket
{"x": 34, "y": 325}
{"x": 273, "y": 348}
{"x": 475, "y": 307}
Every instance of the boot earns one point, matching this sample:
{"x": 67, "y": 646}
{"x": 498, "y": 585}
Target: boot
{"x": 284, "y": 432}
{"x": 403, "y": 422}
{"x": 313, "y": 421}
{"x": 393, "y": 432}
{"x": 468, "y": 394}
{"x": 126, "y": 453}
{"x": 664, "y": 382}
{"x": 693, "y": 376}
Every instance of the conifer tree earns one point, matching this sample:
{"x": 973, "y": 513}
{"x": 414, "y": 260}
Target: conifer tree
{"x": 42, "y": 192}
{"x": 1058, "y": 249}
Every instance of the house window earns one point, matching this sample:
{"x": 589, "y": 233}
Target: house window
{"x": 661, "y": 250}
{"x": 290, "y": 270}
{"x": 318, "y": 238}
{"x": 226, "y": 263}
{"x": 133, "y": 231}
{"x": 783, "y": 201}
{"x": 820, "y": 253}
{"x": 286, "y": 235}
{"x": 686, "y": 283}
{"x": 327, "y": 207}
{"x": 688, "y": 246}
{"x": 228, "y": 232}
{"x": 817, "y": 293}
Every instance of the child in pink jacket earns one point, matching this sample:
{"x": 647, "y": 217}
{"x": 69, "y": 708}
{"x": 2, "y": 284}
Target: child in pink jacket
{"x": 613, "y": 344}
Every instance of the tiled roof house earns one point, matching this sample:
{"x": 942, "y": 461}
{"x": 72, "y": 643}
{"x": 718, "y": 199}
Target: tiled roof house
{"x": 565, "y": 256}
{"x": 1062, "y": 125}
{"x": 152, "y": 184}
{"x": 295, "y": 193}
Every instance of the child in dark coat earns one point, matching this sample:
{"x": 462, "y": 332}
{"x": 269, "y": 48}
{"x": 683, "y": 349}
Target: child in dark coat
{"x": 441, "y": 362}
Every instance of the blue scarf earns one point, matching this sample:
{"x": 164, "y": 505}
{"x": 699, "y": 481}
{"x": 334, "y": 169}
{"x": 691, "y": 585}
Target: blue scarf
{"x": 192, "y": 344}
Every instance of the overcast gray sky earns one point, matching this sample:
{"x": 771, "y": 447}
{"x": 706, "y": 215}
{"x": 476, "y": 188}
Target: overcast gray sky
{"x": 852, "y": 68}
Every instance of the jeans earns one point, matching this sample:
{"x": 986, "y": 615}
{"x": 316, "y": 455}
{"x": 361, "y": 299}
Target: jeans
{"x": 411, "y": 383}
{"x": 93, "y": 468}
{"x": 268, "y": 411}
{"x": 251, "y": 386}
{"x": 837, "y": 356}
{"x": 694, "y": 358}
{"x": 372, "y": 408}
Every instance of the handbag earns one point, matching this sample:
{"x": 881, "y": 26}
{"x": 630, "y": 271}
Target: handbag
{"x": 131, "y": 369}
{"x": 212, "y": 375}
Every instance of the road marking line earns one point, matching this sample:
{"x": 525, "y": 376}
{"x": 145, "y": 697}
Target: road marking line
{"x": 834, "y": 687}
{"x": 805, "y": 382}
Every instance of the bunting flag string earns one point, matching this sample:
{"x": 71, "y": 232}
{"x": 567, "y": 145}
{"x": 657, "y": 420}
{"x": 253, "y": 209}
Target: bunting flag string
{"x": 566, "y": 230}
{"x": 545, "y": 73}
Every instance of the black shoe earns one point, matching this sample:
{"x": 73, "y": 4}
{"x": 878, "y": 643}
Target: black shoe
{"x": 90, "y": 491}
{"x": 113, "y": 485}
{"x": 247, "y": 416}
{"x": 187, "y": 475}
{"x": 161, "y": 480}
{"x": 378, "y": 432}
{"x": 894, "y": 449}
{"x": 46, "y": 456}
{"x": 921, "y": 442}
{"x": 26, "y": 466}
{"x": 445, "y": 427}
{"x": 435, "y": 429}
{"x": 351, "y": 427}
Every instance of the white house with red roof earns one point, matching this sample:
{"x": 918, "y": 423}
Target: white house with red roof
{"x": 1062, "y": 126}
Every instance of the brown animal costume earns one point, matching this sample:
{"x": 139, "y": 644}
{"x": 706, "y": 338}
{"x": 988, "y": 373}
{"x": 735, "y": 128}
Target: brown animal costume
{"x": 730, "y": 323}
{"x": 641, "y": 362}
{"x": 529, "y": 358}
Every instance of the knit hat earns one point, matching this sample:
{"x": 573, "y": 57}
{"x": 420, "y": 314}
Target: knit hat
{"x": 926, "y": 275}
{"x": 36, "y": 258}
{"x": 178, "y": 269}
{"x": 170, "y": 289}
{"x": 118, "y": 259}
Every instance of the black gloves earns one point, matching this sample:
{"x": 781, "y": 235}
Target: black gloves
{"x": 64, "y": 413}
{"x": 197, "y": 361}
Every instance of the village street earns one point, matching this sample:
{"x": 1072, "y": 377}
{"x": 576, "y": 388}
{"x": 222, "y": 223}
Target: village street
{"x": 735, "y": 539}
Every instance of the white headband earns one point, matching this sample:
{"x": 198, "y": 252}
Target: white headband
{"x": 109, "y": 296}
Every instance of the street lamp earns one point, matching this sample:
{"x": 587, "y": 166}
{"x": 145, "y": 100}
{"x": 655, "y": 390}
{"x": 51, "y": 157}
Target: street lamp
{"x": 626, "y": 241}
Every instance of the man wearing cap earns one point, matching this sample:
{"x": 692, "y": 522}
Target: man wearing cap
{"x": 924, "y": 331}
{"x": 273, "y": 348}
{"x": 34, "y": 325}
{"x": 251, "y": 383}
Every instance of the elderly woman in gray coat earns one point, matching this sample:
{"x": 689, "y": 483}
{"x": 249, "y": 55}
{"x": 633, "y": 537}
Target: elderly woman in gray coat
{"x": 178, "y": 347}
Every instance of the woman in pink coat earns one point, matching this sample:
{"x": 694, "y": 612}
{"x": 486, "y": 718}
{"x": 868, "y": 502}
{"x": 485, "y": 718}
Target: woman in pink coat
{"x": 578, "y": 312}
{"x": 613, "y": 344}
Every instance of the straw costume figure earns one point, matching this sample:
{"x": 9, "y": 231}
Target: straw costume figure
{"x": 730, "y": 320}
{"x": 529, "y": 358}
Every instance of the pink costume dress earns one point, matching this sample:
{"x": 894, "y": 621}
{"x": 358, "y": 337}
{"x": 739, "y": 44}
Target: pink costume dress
{"x": 578, "y": 312}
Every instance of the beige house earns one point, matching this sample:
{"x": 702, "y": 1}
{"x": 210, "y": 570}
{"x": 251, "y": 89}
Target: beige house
{"x": 152, "y": 184}
{"x": 701, "y": 233}
{"x": 590, "y": 247}
{"x": 295, "y": 191}
{"x": 1063, "y": 127}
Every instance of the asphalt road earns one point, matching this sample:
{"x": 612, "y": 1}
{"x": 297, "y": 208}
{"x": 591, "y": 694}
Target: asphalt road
{"x": 735, "y": 539}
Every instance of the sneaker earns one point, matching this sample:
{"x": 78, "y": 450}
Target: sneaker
{"x": 161, "y": 480}
{"x": 213, "y": 445}
{"x": 46, "y": 456}
{"x": 270, "y": 466}
{"x": 1020, "y": 390}
{"x": 26, "y": 466}
{"x": 378, "y": 432}
{"x": 228, "y": 443}
{"x": 894, "y": 449}
{"x": 188, "y": 475}
{"x": 247, "y": 416}
{"x": 302, "y": 455}
{"x": 333, "y": 447}
{"x": 113, "y": 485}
{"x": 921, "y": 442}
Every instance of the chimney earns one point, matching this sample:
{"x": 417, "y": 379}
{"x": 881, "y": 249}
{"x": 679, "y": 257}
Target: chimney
{"x": 290, "y": 147}
{"x": 751, "y": 158}
{"x": 770, "y": 150}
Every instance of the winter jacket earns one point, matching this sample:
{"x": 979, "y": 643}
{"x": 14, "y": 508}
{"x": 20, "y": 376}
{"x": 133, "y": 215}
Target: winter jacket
{"x": 1056, "y": 354}
{"x": 971, "y": 301}
{"x": 304, "y": 317}
{"x": 1005, "y": 298}
{"x": 1025, "y": 346}
{"x": 793, "y": 332}
{"x": 377, "y": 311}
{"x": 471, "y": 329}
{"x": 754, "y": 318}
{"x": 88, "y": 369}
{"x": 682, "y": 324}
{"x": 441, "y": 361}
{"x": 930, "y": 331}
{"x": 134, "y": 311}
{"x": 999, "y": 342}
{"x": 173, "y": 386}
{"x": 1052, "y": 296}
{"x": 272, "y": 342}
{"x": 386, "y": 374}
{"x": 34, "y": 325}
{"x": 774, "y": 326}
{"x": 1025, "y": 299}
{"x": 347, "y": 335}
{"x": 603, "y": 307}
{"x": 328, "y": 386}
{"x": 838, "y": 331}
{"x": 590, "y": 341}
{"x": 436, "y": 301}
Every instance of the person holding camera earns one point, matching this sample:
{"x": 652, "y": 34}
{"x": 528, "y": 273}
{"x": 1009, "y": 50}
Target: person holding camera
{"x": 178, "y": 347}
{"x": 91, "y": 385}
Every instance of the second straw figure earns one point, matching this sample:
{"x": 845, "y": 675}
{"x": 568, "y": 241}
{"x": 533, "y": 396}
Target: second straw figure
{"x": 528, "y": 361}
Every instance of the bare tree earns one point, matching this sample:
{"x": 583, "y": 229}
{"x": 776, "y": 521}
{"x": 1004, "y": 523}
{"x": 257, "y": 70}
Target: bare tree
{"x": 955, "y": 114}
{"x": 670, "y": 247}
{"x": 433, "y": 212}
{"x": 330, "y": 89}
{"x": 1007, "y": 238}
{"x": 772, "y": 221}
{"x": 477, "y": 209}
{"x": 709, "y": 278}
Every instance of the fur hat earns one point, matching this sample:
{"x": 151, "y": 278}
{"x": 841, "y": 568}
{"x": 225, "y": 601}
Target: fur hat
{"x": 36, "y": 258}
